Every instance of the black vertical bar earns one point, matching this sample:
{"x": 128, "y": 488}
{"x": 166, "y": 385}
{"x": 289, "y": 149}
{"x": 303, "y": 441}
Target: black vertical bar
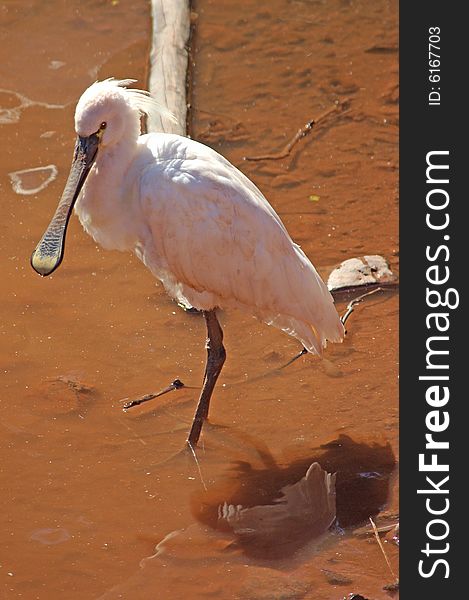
{"x": 434, "y": 256}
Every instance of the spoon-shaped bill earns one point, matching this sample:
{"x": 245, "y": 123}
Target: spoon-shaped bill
{"x": 49, "y": 252}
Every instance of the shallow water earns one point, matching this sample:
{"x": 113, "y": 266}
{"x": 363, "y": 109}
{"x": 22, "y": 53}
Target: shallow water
{"x": 84, "y": 494}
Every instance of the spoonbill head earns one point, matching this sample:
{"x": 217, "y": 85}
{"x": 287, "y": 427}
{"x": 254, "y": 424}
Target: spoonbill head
{"x": 200, "y": 225}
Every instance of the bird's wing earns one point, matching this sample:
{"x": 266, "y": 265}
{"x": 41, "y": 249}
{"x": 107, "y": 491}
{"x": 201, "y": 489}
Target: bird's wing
{"x": 214, "y": 240}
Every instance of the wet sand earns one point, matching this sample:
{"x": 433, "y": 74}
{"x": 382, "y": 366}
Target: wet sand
{"x": 85, "y": 496}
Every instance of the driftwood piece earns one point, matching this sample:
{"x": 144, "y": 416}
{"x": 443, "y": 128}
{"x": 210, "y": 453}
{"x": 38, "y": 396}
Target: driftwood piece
{"x": 168, "y": 62}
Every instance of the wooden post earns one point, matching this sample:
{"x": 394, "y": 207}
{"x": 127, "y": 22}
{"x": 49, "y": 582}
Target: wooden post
{"x": 168, "y": 62}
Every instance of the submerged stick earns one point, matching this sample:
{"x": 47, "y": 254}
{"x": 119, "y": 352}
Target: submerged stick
{"x": 292, "y": 360}
{"x": 351, "y": 305}
{"x": 174, "y": 385}
{"x": 301, "y": 133}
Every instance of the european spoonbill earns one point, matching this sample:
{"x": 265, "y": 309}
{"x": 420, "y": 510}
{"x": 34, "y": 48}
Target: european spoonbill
{"x": 200, "y": 225}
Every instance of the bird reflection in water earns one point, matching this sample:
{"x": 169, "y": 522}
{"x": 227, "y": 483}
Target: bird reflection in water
{"x": 275, "y": 510}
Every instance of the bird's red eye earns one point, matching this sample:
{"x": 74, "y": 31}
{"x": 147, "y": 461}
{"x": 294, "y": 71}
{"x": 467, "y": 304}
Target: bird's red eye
{"x": 103, "y": 125}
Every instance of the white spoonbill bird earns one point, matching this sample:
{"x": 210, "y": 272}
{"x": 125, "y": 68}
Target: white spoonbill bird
{"x": 200, "y": 225}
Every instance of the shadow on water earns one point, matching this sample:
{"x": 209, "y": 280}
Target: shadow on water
{"x": 246, "y": 501}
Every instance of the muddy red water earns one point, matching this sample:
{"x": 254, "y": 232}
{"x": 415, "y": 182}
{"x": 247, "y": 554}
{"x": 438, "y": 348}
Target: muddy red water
{"x": 85, "y": 498}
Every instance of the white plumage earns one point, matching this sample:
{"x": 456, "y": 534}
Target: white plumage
{"x": 200, "y": 225}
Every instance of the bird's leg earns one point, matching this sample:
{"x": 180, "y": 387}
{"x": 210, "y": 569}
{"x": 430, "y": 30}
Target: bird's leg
{"x": 215, "y": 358}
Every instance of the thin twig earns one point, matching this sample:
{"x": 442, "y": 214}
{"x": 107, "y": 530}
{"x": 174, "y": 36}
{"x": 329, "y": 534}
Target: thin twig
{"x": 174, "y": 385}
{"x": 352, "y": 303}
{"x": 292, "y": 360}
{"x": 366, "y": 531}
{"x": 191, "y": 448}
{"x": 300, "y": 134}
{"x": 382, "y": 548}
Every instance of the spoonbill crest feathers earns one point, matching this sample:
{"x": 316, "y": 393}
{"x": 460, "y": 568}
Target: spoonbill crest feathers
{"x": 101, "y": 97}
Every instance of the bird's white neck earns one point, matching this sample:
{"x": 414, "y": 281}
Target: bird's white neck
{"x": 106, "y": 207}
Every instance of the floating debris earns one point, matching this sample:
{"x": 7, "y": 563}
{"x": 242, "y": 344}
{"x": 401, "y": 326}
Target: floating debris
{"x": 16, "y": 103}
{"x": 62, "y": 395}
{"x": 47, "y": 134}
{"x": 50, "y": 536}
{"x": 32, "y": 181}
{"x": 56, "y": 64}
{"x": 361, "y": 271}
